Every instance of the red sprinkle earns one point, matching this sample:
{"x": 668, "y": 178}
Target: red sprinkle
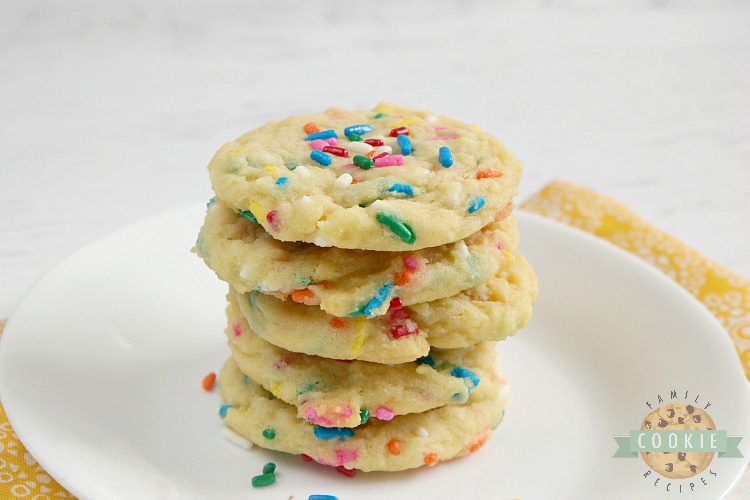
{"x": 395, "y": 304}
{"x": 347, "y": 472}
{"x": 399, "y": 131}
{"x": 411, "y": 262}
{"x": 306, "y": 458}
{"x": 337, "y": 323}
{"x": 489, "y": 173}
{"x": 209, "y": 381}
{"x": 399, "y": 314}
{"x": 335, "y": 150}
{"x": 311, "y": 128}
{"x": 398, "y": 331}
{"x": 380, "y": 155}
{"x": 273, "y": 219}
{"x": 374, "y": 142}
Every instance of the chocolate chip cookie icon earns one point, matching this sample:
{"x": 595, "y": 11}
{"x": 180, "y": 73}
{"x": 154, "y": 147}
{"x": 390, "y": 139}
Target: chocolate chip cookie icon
{"x": 678, "y": 416}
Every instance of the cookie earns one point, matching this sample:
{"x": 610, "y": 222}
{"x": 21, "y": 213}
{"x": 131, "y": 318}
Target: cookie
{"x": 390, "y": 179}
{"x": 678, "y": 416}
{"x": 407, "y": 441}
{"x": 332, "y": 393}
{"x": 488, "y": 312}
{"x": 346, "y": 282}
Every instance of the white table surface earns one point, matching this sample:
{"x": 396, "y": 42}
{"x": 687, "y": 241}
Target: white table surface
{"x": 110, "y": 111}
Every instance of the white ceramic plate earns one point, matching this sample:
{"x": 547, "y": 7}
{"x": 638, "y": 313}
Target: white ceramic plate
{"x": 101, "y": 368}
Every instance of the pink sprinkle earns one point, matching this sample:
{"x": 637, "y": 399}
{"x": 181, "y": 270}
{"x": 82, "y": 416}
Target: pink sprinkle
{"x": 345, "y": 456}
{"x": 443, "y": 138}
{"x": 273, "y": 219}
{"x": 389, "y": 161}
{"x": 399, "y": 314}
{"x": 318, "y": 144}
{"x": 312, "y": 416}
{"x": 500, "y": 246}
{"x": 332, "y": 141}
{"x": 383, "y": 413}
{"x": 440, "y": 127}
{"x": 411, "y": 262}
{"x": 237, "y": 329}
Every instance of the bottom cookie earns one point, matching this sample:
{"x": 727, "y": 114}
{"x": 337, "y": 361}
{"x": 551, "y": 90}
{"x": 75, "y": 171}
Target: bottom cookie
{"x": 406, "y": 442}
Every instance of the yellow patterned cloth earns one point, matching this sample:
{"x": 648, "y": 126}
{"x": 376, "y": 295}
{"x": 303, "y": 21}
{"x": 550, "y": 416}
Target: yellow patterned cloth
{"x": 724, "y": 293}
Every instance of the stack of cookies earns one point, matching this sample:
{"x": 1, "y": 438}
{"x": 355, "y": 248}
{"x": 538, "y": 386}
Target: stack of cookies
{"x": 372, "y": 265}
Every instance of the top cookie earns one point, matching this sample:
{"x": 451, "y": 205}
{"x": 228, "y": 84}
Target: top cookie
{"x": 390, "y": 179}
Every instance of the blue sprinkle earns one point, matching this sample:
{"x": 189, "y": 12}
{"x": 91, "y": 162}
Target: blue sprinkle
{"x": 405, "y": 143}
{"x": 476, "y": 203}
{"x": 281, "y": 181}
{"x": 327, "y": 433}
{"x": 461, "y": 372}
{"x": 321, "y": 157}
{"x": 444, "y": 157}
{"x": 324, "y": 134}
{"x": 402, "y": 188}
{"x": 248, "y": 215}
{"x": 357, "y": 130}
{"x": 426, "y": 360}
{"x": 223, "y": 410}
{"x": 322, "y": 497}
{"x": 377, "y": 300}
{"x": 210, "y": 202}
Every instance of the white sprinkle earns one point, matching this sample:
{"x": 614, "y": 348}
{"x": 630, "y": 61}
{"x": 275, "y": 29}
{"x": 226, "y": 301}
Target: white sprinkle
{"x": 342, "y": 181}
{"x": 245, "y": 273}
{"x": 462, "y": 249}
{"x": 321, "y": 242}
{"x": 377, "y": 204}
{"x": 358, "y": 148}
{"x": 431, "y": 119}
{"x": 453, "y": 193}
{"x": 302, "y": 171}
{"x": 235, "y": 438}
{"x": 423, "y": 369}
{"x": 384, "y": 149}
{"x": 305, "y": 199}
{"x": 421, "y": 432}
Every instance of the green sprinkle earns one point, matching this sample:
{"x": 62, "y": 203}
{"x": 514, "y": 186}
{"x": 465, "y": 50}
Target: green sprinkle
{"x": 380, "y": 115}
{"x": 269, "y": 468}
{"x": 354, "y": 137}
{"x": 263, "y": 480}
{"x": 248, "y": 215}
{"x": 363, "y": 162}
{"x": 399, "y": 228}
{"x": 364, "y": 415}
{"x": 291, "y": 164}
{"x": 269, "y": 433}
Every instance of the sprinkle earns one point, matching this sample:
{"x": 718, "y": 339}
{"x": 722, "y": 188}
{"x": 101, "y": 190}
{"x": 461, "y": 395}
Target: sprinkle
{"x": 320, "y": 157}
{"x": 236, "y": 439}
{"x": 210, "y": 202}
{"x": 383, "y": 413}
{"x": 322, "y": 497}
{"x": 359, "y": 147}
{"x": 332, "y": 141}
{"x": 405, "y": 144}
{"x": 269, "y": 433}
{"x": 480, "y": 441}
{"x": 380, "y": 154}
{"x": 311, "y": 128}
{"x": 306, "y": 458}
{"x": 426, "y": 360}
{"x": 489, "y": 173}
{"x": 394, "y": 446}
{"x": 223, "y": 410}
{"x": 335, "y": 150}
{"x": 431, "y": 459}
{"x": 281, "y": 181}
{"x": 337, "y": 323}
{"x": 347, "y": 472}
{"x": 318, "y": 144}
{"x": 302, "y": 171}
{"x": 344, "y": 180}
{"x": 476, "y": 203}
{"x": 269, "y": 468}
{"x": 389, "y": 161}
{"x": 301, "y": 296}
{"x": 357, "y": 129}
{"x": 270, "y": 168}
{"x": 248, "y": 215}
{"x": 403, "y": 277}
{"x": 402, "y": 330}
{"x": 263, "y": 480}
{"x": 411, "y": 262}
{"x": 355, "y": 137}
{"x": 326, "y": 433}
{"x": 399, "y": 228}
{"x": 470, "y": 377}
{"x": 395, "y": 304}
{"x": 378, "y": 299}
{"x": 363, "y": 162}
{"x": 272, "y": 218}
{"x": 385, "y": 149}
{"x": 374, "y": 142}
{"x": 402, "y": 188}
{"x": 209, "y": 381}
{"x": 444, "y": 156}
{"x": 399, "y": 314}
{"x": 364, "y": 416}
{"x": 380, "y": 115}
{"x": 421, "y": 432}
{"x": 395, "y": 132}
{"x": 325, "y": 134}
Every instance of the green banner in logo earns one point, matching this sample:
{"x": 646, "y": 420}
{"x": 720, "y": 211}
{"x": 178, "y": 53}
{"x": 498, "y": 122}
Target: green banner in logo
{"x": 711, "y": 441}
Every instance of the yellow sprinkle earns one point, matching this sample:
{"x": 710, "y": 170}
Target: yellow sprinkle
{"x": 256, "y": 210}
{"x": 270, "y": 168}
{"x": 234, "y": 152}
{"x": 403, "y": 123}
{"x": 507, "y": 255}
{"x": 276, "y": 389}
{"x": 359, "y": 342}
{"x": 360, "y": 326}
{"x": 382, "y": 108}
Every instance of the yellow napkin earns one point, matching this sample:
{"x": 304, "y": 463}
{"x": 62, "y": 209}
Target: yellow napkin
{"x": 726, "y": 295}
{"x": 723, "y": 292}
